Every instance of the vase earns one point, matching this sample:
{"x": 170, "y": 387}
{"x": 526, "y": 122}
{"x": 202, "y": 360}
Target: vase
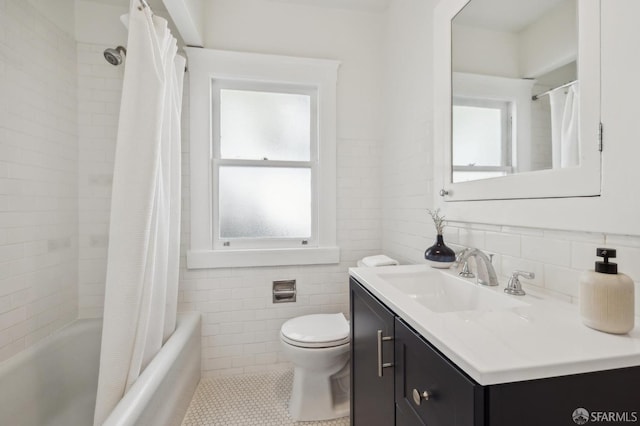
{"x": 439, "y": 255}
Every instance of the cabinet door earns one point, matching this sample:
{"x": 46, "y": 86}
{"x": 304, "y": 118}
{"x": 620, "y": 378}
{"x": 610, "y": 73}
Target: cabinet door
{"x": 608, "y": 397}
{"x": 372, "y": 399}
{"x": 451, "y": 399}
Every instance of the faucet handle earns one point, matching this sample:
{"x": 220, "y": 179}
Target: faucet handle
{"x": 524, "y": 274}
{"x": 466, "y": 273}
{"x": 514, "y": 286}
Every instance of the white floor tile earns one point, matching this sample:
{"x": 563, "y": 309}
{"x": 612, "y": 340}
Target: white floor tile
{"x": 247, "y": 400}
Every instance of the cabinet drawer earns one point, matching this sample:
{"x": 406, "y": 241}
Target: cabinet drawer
{"x": 452, "y": 398}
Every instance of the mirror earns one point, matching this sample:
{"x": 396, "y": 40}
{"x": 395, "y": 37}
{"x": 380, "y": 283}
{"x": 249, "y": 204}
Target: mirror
{"x": 521, "y": 80}
{"x": 515, "y": 87}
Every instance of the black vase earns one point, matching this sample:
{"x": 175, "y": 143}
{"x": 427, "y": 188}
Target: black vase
{"x": 439, "y": 255}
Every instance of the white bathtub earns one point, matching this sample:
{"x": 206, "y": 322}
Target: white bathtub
{"x": 54, "y": 382}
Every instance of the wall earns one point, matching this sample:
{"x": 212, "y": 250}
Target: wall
{"x": 38, "y": 177}
{"x": 550, "y": 42}
{"x": 99, "y": 91}
{"x": 483, "y": 51}
{"x": 407, "y": 159}
{"x": 97, "y": 27}
{"x": 557, "y": 256}
{"x": 240, "y": 324}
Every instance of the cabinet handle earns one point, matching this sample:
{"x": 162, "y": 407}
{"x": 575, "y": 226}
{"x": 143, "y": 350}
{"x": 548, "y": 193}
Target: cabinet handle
{"x": 418, "y": 397}
{"x": 380, "y": 364}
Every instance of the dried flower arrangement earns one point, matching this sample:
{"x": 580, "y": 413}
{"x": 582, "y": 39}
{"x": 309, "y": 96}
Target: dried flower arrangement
{"x": 437, "y": 220}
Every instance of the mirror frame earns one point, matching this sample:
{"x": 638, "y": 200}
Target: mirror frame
{"x": 581, "y": 181}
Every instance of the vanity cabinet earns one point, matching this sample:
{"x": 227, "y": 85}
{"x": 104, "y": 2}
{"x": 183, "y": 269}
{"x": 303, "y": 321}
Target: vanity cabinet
{"x": 392, "y": 367}
{"x": 429, "y": 389}
{"x": 372, "y": 381}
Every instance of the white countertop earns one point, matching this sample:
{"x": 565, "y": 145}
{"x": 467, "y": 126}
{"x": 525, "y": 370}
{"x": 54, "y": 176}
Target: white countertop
{"x": 544, "y": 338}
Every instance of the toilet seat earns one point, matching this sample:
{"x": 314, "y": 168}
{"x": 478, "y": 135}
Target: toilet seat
{"x": 316, "y": 331}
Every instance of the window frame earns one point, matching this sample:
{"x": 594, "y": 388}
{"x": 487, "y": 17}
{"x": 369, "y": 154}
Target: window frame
{"x": 254, "y": 71}
{"x": 506, "y": 123}
{"x": 218, "y": 162}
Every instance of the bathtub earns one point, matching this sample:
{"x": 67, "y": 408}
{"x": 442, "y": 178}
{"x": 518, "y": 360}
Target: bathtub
{"x": 54, "y": 382}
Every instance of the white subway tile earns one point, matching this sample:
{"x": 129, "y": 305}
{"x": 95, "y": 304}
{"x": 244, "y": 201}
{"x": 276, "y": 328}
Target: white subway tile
{"x": 562, "y": 280}
{"x": 545, "y": 250}
{"x": 508, "y": 244}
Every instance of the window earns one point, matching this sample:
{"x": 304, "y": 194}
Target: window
{"x": 262, "y": 160}
{"x": 264, "y": 139}
{"x": 481, "y": 139}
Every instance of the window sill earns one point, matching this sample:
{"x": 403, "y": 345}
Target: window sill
{"x": 203, "y": 259}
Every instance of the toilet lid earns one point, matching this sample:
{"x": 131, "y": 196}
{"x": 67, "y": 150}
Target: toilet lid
{"x": 319, "y": 330}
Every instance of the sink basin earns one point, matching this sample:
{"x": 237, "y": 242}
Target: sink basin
{"x": 441, "y": 292}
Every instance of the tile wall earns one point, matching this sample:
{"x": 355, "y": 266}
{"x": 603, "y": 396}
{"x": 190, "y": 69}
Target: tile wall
{"x": 99, "y": 90}
{"x": 240, "y": 324}
{"x": 38, "y": 177}
{"x": 557, "y": 257}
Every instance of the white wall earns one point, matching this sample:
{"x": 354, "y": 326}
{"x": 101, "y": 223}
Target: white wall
{"x": 483, "y": 51}
{"x": 240, "y": 323}
{"x": 550, "y": 42}
{"x": 99, "y": 91}
{"x": 557, "y": 256}
{"x": 38, "y": 177}
{"x": 98, "y": 23}
{"x": 407, "y": 184}
{"x": 59, "y": 12}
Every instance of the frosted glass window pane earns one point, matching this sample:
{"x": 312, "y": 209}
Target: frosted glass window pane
{"x": 257, "y": 125}
{"x": 265, "y": 202}
{"x": 477, "y": 136}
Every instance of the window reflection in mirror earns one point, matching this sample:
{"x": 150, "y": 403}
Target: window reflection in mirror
{"x": 481, "y": 139}
{"x": 514, "y": 88}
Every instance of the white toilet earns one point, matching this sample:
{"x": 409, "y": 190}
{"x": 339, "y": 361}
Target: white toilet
{"x": 318, "y": 346}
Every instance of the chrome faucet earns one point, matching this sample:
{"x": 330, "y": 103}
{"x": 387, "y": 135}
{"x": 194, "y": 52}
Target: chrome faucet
{"x": 484, "y": 267}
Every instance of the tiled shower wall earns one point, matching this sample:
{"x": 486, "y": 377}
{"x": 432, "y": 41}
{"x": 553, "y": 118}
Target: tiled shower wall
{"x": 99, "y": 91}
{"x": 38, "y": 175}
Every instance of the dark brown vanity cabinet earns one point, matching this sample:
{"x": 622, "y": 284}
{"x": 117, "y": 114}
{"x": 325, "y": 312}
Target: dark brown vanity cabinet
{"x": 372, "y": 381}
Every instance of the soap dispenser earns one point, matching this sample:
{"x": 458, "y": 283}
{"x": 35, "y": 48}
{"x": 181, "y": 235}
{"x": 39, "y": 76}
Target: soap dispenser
{"x": 607, "y": 297}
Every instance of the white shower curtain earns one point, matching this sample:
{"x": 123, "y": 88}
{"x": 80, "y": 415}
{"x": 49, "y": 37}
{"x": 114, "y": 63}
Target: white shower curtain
{"x": 570, "y": 126}
{"x": 556, "y": 102}
{"x": 565, "y": 104}
{"x": 144, "y": 236}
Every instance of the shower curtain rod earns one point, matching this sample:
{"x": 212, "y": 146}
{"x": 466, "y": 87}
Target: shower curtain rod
{"x": 536, "y": 97}
{"x": 144, "y": 5}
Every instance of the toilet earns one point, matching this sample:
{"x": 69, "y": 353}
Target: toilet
{"x": 318, "y": 347}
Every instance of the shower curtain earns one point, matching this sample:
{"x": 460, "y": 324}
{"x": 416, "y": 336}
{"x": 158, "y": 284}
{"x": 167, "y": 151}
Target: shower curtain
{"x": 570, "y": 125}
{"x": 144, "y": 236}
{"x": 565, "y": 106}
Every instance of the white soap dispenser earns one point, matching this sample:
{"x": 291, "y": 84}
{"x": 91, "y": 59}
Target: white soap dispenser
{"x": 607, "y": 297}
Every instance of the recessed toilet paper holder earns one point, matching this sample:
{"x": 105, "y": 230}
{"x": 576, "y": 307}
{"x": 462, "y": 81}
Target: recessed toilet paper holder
{"x": 284, "y": 291}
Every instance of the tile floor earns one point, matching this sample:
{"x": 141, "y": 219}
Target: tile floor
{"x": 247, "y": 400}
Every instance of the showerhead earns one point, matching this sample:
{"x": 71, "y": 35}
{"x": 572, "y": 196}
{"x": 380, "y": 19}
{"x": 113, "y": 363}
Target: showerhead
{"x": 115, "y": 56}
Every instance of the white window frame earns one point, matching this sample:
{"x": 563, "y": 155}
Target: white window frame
{"x": 241, "y": 69}
{"x": 311, "y": 164}
{"x": 505, "y": 108}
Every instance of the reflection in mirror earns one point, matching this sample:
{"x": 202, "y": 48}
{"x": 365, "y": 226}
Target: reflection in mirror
{"x": 514, "y": 88}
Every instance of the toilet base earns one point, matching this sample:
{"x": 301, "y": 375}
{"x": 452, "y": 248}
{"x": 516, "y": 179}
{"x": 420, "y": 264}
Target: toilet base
{"x": 318, "y": 397}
